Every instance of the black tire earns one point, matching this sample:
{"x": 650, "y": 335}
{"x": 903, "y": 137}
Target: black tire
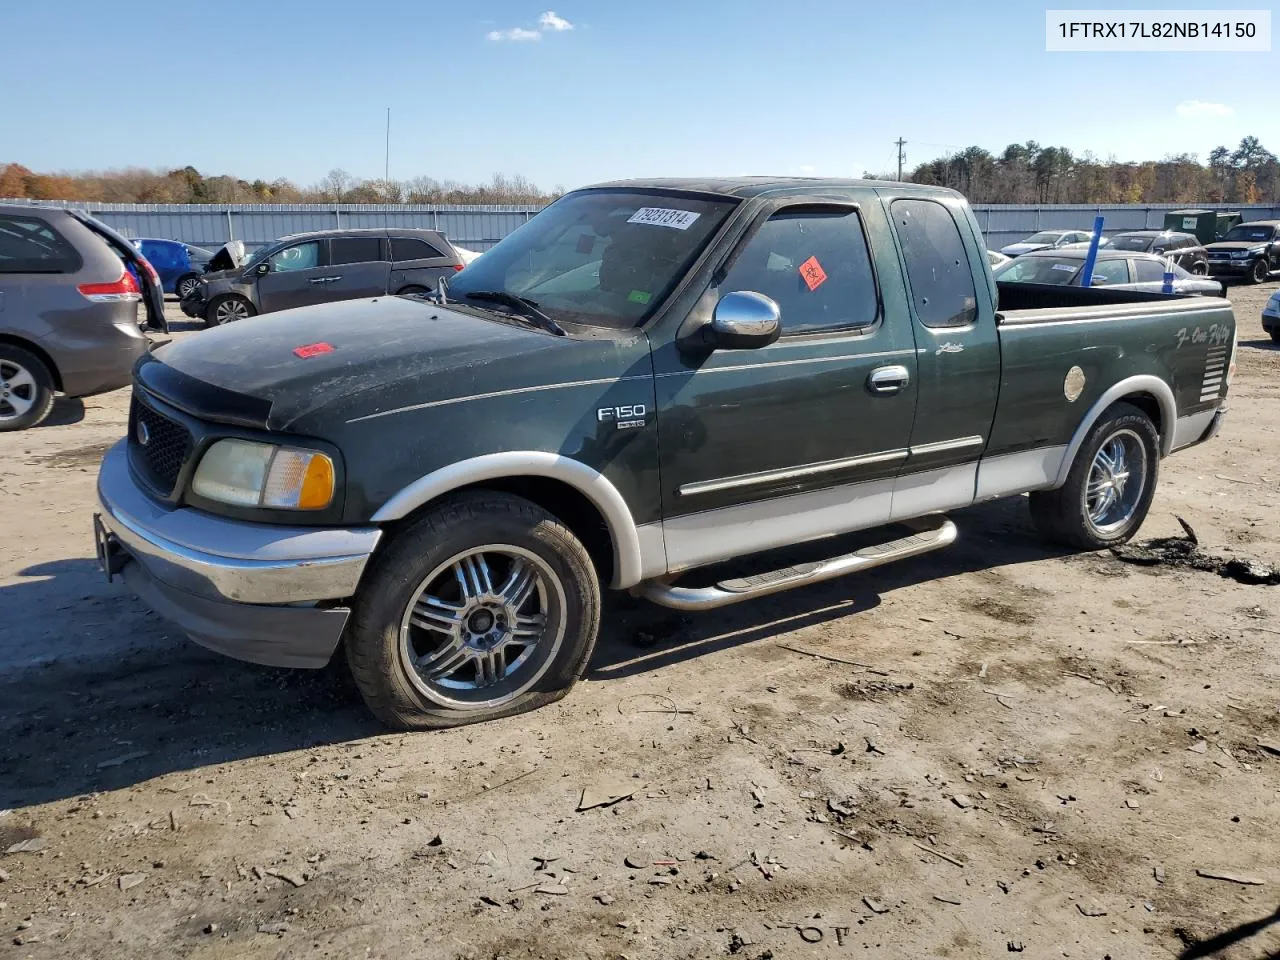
{"x": 1200, "y": 268}
{"x": 26, "y": 388}
{"x": 380, "y": 637}
{"x": 1258, "y": 272}
{"x": 1063, "y": 515}
{"x": 187, "y": 280}
{"x": 1275, "y": 334}
{"x": 215, "y": 314}
{"x": 413, "y": 288}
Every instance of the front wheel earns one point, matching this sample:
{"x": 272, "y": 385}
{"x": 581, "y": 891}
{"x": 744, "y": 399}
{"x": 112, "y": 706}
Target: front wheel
{"x": 1109, "y": 489}
{"x": 227, "y": 309}
{"x": 1258, "y": 273}
{"x": 1275, "y": 334}
{"x": 486, "y": 606}
{"x": 1200, "y": 268}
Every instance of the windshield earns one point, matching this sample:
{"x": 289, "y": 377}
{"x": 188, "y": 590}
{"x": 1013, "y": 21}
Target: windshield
{"x": 1244, "y": 233}
{"x": 1132, "y": 242}
{"x": 1039, "y": 270}
{"x": 599, "y": 257}
{"x": 1046, "y": 237}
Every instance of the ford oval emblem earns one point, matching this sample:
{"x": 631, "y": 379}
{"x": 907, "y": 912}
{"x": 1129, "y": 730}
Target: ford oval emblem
{"x": 144, "y": 434}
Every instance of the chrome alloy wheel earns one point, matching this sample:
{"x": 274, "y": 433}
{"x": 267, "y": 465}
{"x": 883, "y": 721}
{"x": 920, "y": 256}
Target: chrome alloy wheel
{"x": 17, "y": 390}
{"x": 230, "y": 310}
{"x": 482, "y": 627}
{"x": 1117, "y": 481}
{"x": 186, "y": 287}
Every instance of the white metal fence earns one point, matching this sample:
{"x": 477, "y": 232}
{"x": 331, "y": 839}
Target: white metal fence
{"x": 480, "y": 227}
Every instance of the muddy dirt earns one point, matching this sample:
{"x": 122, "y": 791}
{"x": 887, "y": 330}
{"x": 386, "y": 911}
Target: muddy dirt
{"x": 1045, "y": 755}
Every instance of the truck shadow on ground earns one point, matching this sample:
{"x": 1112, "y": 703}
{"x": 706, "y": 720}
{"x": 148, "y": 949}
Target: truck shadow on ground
{"x": 100, "y": 694}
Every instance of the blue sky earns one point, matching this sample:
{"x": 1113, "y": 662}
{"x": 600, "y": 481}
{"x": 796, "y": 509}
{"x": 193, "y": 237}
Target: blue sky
{"x": 599, "y": 90}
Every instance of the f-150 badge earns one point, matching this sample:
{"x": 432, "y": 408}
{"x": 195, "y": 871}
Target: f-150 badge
{"x": 625, "y": 417}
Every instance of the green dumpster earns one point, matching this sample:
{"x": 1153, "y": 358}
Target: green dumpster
{"x": 1207, "y": 225}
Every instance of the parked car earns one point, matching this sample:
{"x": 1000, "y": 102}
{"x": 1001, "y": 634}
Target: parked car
{"x": 70, "y": 289}
{"x": 178, "y": 264}
{"x": 311, "y": 268}
{"x": 1120, "y": 269}
{"x": 1046, "y": 240}
{"x": 1250, "y": 250}
{"x": 1184, "y": 249}
{"x": 445, "y": 487}
{"x": 1271, "y": 317}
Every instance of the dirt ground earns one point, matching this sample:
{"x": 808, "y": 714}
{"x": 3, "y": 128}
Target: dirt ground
{"x": 1029, "y": 753}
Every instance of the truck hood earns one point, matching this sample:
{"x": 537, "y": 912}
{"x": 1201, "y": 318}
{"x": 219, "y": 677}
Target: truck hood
{"x": 1236, "y": 246}
{"x": 356, "y": 358}
{"x": 1017, "y": 249}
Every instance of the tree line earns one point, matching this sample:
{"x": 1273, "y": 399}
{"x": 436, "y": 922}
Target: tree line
{"x": 1030, "y": 173}
{"x": 1021, "y": 173}
{"x": 189, "y": 185}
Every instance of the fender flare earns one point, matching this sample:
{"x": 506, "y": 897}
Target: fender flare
{"x": 590, "y": 483}
{"x": 1144, "y": 383}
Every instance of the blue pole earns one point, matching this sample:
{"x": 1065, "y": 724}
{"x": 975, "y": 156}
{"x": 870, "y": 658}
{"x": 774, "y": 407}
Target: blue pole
{"x": 1086, "y": 275}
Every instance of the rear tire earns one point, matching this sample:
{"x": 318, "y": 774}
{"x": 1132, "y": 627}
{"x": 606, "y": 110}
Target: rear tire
{"x": 186, "y": 285}
{"x": 227, "y": 309}
{"x": 1275, "y": 334}
{"x": 413, "y": 289}
{"x": 1098, "y": 506}
{"x": 439, "y": 638}
{"x": 1258, "y": 273}
{"x": 26, "y": 388}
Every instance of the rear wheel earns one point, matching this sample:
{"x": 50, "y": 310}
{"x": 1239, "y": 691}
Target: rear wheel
{"x": 26, "y": 388}
{"x": 186, "y": 285}
{"x": 1258, "y": 273}
{"x": 227, "y": 309}
{"x": 412, "y": 290}
{"x": 484, "y": 607}
{"x": 1109, "y": 489}
{"x": 1200, "y": 268}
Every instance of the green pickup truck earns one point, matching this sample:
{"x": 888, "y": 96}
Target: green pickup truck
{"x": 647, "y": 380}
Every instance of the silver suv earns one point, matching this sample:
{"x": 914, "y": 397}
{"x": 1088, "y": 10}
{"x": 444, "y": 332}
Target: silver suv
{"x": 310, "y": 268}
{"x": 70, "y": 290}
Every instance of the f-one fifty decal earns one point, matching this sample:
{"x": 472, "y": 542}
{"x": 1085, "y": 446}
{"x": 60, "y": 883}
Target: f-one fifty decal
{"x": 626, "y": 417}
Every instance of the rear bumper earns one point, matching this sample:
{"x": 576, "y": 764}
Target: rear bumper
{"x": 258, "y": 592}
{"x": 103, "y": 362}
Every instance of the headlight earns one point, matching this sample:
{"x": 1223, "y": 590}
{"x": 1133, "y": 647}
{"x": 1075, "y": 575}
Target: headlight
{"x": 1240, "y": 254}
{"x": 247, "y": 474}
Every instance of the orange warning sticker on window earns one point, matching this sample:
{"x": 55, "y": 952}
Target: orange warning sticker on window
{"x": 812, "y": 273}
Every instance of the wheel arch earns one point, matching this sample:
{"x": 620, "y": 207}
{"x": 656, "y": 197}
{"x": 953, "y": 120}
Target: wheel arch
{"x": 1148, "y": 393}
{"x": 581, "y": 497}
{"x": 37, "y": 351}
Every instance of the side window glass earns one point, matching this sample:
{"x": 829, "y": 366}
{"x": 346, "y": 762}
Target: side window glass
{"x": 410, "y": 248}
{"x": 815, "y": 265}
{"x": 1148, "y": 271}
{"x": 302, "y": 256}
{"x": 938, "y": 270}
{"x": 355, "y": 250}
{"x": 29, "y": 245}
{"x": 1110, "y": 272}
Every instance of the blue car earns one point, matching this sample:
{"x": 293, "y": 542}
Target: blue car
{"x": 179, "y": 264}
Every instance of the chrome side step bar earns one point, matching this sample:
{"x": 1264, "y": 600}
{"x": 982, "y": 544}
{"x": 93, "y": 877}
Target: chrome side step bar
{"x": 931, "y": 533}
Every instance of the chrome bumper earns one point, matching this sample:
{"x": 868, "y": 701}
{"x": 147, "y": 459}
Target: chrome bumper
{"x": 222, "y": 559}
{"x": 256, "y": 592}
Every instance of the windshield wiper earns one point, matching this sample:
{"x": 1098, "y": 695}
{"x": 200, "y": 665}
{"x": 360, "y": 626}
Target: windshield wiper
{"x": 523, "y": 306}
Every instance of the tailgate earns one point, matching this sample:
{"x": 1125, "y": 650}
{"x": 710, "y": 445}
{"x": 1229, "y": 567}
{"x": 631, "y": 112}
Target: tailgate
{"x": 143, "y": 272}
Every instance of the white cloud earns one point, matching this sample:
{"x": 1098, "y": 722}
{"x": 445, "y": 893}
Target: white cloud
{"x": 515, "y": 33}
{"x": 1203, "y": 108}
{"x": 553, "y": 21}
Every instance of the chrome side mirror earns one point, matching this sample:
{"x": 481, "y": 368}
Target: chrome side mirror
{"x": 744, "y": 320}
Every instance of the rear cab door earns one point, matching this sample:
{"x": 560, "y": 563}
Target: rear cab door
{"x": 952, "y": 315}
{"x": 803, "y": 438}
{"x": 359, "y": 266}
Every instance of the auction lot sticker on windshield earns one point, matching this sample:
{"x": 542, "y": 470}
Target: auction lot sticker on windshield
{"x": 1066, "y": 266}
{"x": 664, "y": 217}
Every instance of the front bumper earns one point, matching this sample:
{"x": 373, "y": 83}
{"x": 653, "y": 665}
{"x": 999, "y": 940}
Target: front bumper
{"x": 1229, "y": 268}
{"x": 193, "y": 307}
{"x": 258, "y": 592}
{"x": 1270, "y": 321}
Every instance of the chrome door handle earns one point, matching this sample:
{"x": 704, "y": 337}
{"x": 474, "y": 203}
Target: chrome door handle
{"x": 323, "y": 279}
{"x": 886, "y": 380}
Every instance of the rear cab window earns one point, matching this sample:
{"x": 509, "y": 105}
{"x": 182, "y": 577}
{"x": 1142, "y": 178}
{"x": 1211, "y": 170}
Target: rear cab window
{"x": 411, "y": 248}
{"x": 31, "y": 245}
{"x": 814, "y": 263}
{"x": 938, "y": 271}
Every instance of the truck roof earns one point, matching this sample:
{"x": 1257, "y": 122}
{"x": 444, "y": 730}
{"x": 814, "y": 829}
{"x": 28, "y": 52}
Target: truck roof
{"x": 747, "y": 187}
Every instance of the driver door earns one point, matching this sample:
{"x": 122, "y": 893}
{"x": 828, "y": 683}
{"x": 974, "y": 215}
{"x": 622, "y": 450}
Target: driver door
{"x": 297, "y": 276}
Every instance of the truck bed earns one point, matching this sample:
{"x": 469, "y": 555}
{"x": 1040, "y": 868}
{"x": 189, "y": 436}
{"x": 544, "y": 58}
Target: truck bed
{"x": 1038, "y": 296}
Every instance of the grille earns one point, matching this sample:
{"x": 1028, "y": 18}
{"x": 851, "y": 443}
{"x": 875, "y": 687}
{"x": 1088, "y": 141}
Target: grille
{"x": 167, "y": 447}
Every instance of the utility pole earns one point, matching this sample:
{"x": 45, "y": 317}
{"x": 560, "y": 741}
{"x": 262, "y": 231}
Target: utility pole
{"x": 386, "y": 169}
{"x": 901, "y": 143}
